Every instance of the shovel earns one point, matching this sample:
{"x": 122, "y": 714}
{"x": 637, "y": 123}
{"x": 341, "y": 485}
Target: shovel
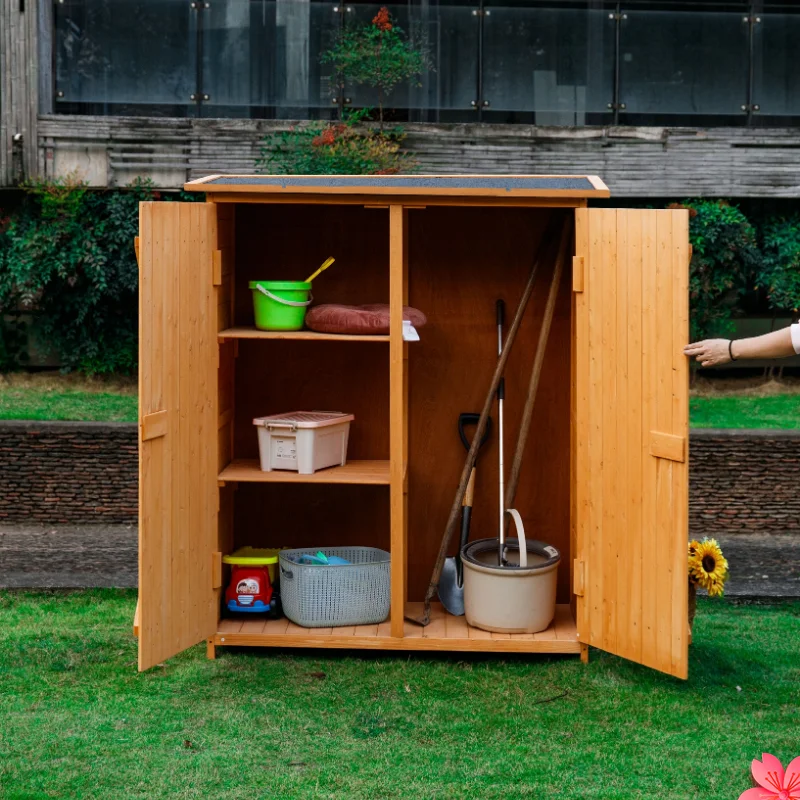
{"x": 451, "y": 583}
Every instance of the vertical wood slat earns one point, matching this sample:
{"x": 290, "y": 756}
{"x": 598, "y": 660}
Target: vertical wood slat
{"x": 681, "y": 255}
{"x": 19, "y": 89}
{"x": 631, "y": 379}
{"x": 178, "y": 471}
{"x": 398, "y": 409}
{"x": 580, "y": 423}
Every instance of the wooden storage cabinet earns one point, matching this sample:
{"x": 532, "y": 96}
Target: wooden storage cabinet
{"x": 605, "y": 474}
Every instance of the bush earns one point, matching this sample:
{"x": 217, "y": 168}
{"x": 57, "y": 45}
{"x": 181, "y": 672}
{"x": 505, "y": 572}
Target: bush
{"x": 348, "y": 147}
{"x": 725, "y": 261}
{"x": 67, "y": 255}
{"x": 779, "y": 276}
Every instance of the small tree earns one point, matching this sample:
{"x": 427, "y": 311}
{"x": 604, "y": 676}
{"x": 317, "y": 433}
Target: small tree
{"x": 378, "y": 55}
{"x": 780, "y": 272}
{"x": 343, "y": 148}
{"x": 725, "y": 259}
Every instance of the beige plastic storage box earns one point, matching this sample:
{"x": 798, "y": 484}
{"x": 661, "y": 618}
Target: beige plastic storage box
{"x": 304, "y": 441}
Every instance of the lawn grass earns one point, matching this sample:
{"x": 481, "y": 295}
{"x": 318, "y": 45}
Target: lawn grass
{"x": 73, "y": 398}
{"x": 35, "y": 404}
{"x": 78, "y": 721}
{"x": 745, "y": 411}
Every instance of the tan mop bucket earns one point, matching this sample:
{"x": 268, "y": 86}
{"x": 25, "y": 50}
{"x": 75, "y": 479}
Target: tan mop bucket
{"x": 517, "y": 598}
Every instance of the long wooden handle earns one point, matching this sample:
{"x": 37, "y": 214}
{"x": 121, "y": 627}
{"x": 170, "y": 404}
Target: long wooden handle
{"x": 536, "y": 372}
{"x": 476, "y": 439}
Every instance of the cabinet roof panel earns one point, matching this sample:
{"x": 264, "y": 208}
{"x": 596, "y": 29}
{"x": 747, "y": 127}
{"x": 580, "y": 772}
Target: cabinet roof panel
{"x": 573, "y": 186}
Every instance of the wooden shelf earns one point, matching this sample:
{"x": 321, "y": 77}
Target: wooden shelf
{"x": 445, "y": 632}
{"x": 307, "y": 336}
{"x": 357, "y": 472}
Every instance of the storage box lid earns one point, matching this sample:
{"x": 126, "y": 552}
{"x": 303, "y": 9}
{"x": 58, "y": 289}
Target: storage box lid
{"x": 252, "y": 557}
{"x": 304, "y": 419}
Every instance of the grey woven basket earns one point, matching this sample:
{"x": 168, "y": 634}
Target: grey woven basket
{"x": 316, "y": 596}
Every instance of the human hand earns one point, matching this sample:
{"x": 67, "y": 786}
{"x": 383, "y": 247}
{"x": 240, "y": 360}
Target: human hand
{"x": 709, "y": 352}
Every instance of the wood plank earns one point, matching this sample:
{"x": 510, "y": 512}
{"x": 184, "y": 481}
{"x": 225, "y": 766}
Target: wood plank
{"x": 579, "y": 423}
{"x": 455, "y": 638}
{"x": 610, "y": 447}
{"x": 427, "y": 186}
{"x": 631, "y": 560}
{"x": 154, "y": 425}
{"x": 625, "y": 441}
{"x": 253, "y": 626}
{"x": 563, "y": 624}
{"x": 456, "y": 627}
{"x": 634, "y": 562}
{"x": 679, "y": 534}
{"x": 276, "y": 627}
{"x": 436, "y": 628}
{"x": 488, "y": 645}
{"x": 365, "y": 630}
{"x": 664, "y": 468}
{"x": 398, "y": 410}
{"x": 229, "y": 626}
{"x": 178, "y": 471}
{"x": 353, "y": 472}
{"x": 665, "y": 445}
{"x": 649, "y": 530}
{"x": 244, "y": 332}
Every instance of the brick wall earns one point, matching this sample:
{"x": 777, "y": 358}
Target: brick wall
{"x": 744, "y": 481}
{"x": 84, "y": 472}
{"x": 57, "y": 472}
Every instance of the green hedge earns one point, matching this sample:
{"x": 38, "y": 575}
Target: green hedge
{"x": 66, "y": 253}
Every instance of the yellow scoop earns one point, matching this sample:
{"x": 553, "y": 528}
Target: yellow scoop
{"x": 325, "y": 264}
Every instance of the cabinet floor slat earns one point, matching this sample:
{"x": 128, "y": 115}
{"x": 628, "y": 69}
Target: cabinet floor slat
{"x": 353, "y": 472}
{"x": 444, "y": 633}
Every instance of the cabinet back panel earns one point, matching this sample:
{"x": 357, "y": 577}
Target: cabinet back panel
{"x": 311, "y": 515}
{"x": 461, "y": 261}
{"x": 289, "y": 242}
{"x": 273, "y": 377}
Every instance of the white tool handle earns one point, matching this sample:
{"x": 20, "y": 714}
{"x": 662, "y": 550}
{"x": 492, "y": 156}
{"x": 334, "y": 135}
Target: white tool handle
{"x": 277, "y": 299}
{"x": 523, "y": 547}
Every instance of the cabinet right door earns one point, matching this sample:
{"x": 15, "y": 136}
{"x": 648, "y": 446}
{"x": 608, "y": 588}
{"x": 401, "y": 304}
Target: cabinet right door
{"x": 631, "y": 397}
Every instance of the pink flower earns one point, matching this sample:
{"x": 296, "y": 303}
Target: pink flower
{"x": 773, "y": 782}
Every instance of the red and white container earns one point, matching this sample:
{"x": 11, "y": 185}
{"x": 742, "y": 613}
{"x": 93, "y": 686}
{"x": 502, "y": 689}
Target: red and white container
{"x": 303, "y": 441}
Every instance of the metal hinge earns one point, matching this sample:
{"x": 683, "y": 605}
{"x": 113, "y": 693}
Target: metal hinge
{"x": 479, "y": 104}
{"x": 343, "y": 9}
{"x": 617, "y": 17}
{"x": 616, "y": 106}
{"x": 754, "y": 107}
{"x": 481, "y": 12}
{"x": 752, "y": 20}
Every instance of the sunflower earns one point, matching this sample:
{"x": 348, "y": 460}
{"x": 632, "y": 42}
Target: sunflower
{"x": 708, "y": 568}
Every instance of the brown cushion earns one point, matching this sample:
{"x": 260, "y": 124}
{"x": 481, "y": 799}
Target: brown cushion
{"x": 358, "y": 320}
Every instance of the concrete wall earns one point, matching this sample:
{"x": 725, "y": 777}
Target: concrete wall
{"x": 68, "y": 472}
{"x": 84, "y": 472}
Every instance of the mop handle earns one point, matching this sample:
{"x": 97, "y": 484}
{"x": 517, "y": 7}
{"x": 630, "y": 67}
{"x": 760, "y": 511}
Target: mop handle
{"x": 541, "y": 346}
{"x": 325, "y": 264}
{"x": 455, "y": 509}
{"x": 501, "y": 313}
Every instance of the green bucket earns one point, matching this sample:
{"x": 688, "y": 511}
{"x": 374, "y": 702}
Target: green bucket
{"x": 280, "y": 305}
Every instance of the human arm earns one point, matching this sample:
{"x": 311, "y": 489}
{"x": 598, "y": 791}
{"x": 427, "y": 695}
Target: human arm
{"x": 715, "y": 352}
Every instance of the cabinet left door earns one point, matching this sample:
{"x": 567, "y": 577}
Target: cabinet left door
{"x": 178, "y": 491}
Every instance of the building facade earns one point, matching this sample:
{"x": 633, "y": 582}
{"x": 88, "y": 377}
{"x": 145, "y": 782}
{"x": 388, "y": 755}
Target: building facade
{"x": 658, "y": 98}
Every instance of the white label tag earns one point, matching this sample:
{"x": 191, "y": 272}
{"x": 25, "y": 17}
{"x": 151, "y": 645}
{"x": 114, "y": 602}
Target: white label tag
{"x": 286, "y": 448}
{"x": 409, "y": 332}
{"x": 551, "y": 551}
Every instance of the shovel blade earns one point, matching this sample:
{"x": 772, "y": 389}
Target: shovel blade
{"x": 450, "y": 592}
